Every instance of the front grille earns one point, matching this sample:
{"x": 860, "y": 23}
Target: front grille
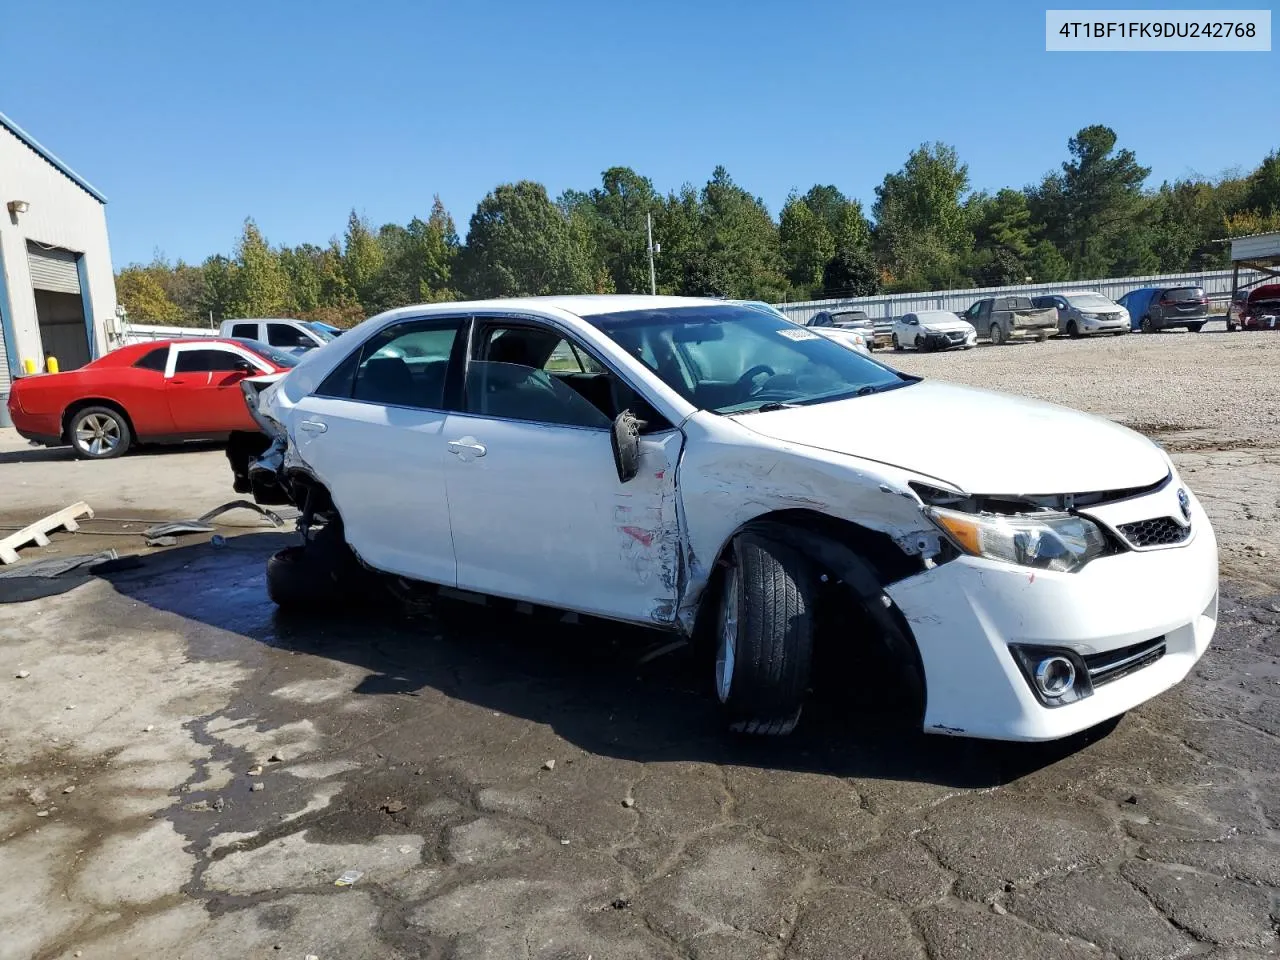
{"x": 1156, "y": 532}
{"x": 1114, "y": 664}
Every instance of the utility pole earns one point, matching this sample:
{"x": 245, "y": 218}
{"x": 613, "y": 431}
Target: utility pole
{"x": 653, "y": 277}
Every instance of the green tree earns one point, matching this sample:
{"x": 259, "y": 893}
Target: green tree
{"x": 363, "y": 265}
{"x": 807, "y": 245}
{"x": 1263, "y": 193}
{"x": 741, "y": 240}
{"x": 922, "y": 229}
{"x": 261, "y": 286}
{"x": 144, "y": 298}
{"x": 519, "y": 244}
{"x": 1094, "y": 209}
{"x": 218, "y": 293}
{"x": 612, "y": 217}
{"x": 852, "y": 272}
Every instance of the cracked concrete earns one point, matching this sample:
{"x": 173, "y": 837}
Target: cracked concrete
{"x": 413, "y": 749}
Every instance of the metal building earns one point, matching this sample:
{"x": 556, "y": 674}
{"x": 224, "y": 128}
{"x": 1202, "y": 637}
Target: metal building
{"x": 57, "y": 288}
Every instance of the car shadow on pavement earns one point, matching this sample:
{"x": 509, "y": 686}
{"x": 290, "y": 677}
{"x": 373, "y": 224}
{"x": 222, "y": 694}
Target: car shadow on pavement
{"x": 607, "y": 688}
{"x": 38, "y": 454}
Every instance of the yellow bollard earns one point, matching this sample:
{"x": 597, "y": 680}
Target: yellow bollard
{"x": 51, "y": 363}
{"x": 28, "y": 365}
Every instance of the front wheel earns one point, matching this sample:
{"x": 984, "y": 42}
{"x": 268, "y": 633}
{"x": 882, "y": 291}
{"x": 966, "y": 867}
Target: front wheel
{"x": 1147, "y": 325}
{"x": 99, "y": 433}
{"x": 764, "y": 637}
{"x": 997, "y": 335}
{"x": 1073, "y": 331}
{"x": 320, "y": 574}
{"x": 922, "y": 344}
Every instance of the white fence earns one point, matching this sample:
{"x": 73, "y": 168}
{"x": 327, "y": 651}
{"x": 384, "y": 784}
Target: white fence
{"x": 143, "y": 332}
{"x": 883, "y": 308}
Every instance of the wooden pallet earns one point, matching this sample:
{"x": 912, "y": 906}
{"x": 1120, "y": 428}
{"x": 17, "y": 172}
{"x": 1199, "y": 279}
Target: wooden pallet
{"x": 38, "y": 532}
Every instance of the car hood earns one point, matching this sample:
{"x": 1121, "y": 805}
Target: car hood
{"x": 977, "y": 440}
{"x": 946, "y": 326}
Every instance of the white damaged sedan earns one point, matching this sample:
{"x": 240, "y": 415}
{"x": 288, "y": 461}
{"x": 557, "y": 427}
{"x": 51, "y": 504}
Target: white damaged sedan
{"x": 933, "y": 330}
{"x": 703, "y": 468}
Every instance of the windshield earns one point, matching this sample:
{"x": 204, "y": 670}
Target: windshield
{"x": 274, "y": 354}
{"x": 322, "y": 330}
{"x": 1089, "y": 301}
{"x": 734, "y": 359}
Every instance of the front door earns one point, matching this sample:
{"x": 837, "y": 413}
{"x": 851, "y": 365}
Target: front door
{"x": 202, "y": 388}
{"x": 535, "y": 504}
{"x": 372, "y": 431}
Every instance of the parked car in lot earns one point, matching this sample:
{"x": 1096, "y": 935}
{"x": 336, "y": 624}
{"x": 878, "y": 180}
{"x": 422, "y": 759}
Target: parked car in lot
{"x": 1085, "y": 313}
{"x": 933, "y": 330}
{"x": 857, "y": 320}
{"x": 1011, "y": 318}
{"x": 1152, "y": 309}
{"x": 283, "y": 333}
{"x": 853, "y": 339}
{"x": 1255, "y": 309}
{"x": 162, "y": 391}
{"x": 700, "y": 469}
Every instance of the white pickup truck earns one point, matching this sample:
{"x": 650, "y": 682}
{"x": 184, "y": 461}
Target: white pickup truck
{"x": 283, "y": 333}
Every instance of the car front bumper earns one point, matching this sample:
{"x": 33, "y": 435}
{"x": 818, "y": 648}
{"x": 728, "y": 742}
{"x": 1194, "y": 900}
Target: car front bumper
{"x": 1106, "y": 325}
{"x": 938, "y": 340}
{"x": 966, "y": 613}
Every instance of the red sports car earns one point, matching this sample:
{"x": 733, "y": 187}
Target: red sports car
{"x": 163, "y": 391}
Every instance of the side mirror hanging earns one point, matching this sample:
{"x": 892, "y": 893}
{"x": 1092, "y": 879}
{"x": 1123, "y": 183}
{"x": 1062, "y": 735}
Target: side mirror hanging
{"x": 626, "y": 444}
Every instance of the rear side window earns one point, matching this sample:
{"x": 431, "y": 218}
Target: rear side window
{"x": 405, "y": 365}
{"x": 154, "y": 359}
{"x": 248, "y": 331}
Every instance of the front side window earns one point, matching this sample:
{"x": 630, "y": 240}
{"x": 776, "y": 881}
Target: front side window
{"x": 523, "y": 372}
{"x": 283, "y": 335}
{"x": 729, "y": 359}
{"x": 278, "y": 357}
{"x": 205, "y": 361}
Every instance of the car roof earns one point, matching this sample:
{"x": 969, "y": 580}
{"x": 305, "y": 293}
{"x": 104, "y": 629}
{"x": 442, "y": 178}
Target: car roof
{"x": 935, "y": 313}
{"x": 583, "y": 305}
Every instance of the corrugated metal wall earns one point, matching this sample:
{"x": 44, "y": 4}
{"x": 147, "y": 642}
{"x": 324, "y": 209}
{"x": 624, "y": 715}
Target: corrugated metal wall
{"x": 882, "y": 309}
{"x": 53, "y": 269}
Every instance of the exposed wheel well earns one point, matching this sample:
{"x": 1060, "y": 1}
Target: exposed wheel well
{"x": 857, "y": 563}
{"x": 79, "y": 405}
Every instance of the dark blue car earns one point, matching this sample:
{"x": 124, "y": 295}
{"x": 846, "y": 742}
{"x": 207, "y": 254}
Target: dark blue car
{"x": 1152, "y": 309}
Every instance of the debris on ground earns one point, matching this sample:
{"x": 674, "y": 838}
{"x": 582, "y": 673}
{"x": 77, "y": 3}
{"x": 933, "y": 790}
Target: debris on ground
{"x": 662, "y": 651}
{"x": 620, "y": 903}
{"x": 217, "y": 541}
{"x": 38, "y": 532}
{"x": 258, "y": 786}
{"x": 548, "y": 765}
{"x": 71, "y": 788}
{"x": 348, "y": 878}
{"x": 255, "y": 771}
{"x": 22, "y": 674}
{"x": 392, "y": 806}
{"x": 628, "y": 802}
{"x": 276, "y": 757}
{"x": 203, "y": 524}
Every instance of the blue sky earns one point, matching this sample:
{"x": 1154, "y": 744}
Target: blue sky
{"x": 192, "y": 116}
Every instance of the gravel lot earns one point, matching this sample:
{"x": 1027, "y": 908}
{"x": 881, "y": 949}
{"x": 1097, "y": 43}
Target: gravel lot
{"x": 184, "y": 772}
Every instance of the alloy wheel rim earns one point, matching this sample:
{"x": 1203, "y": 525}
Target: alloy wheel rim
{"x": 98, "y": 434}
{"x": 727, "y": 642}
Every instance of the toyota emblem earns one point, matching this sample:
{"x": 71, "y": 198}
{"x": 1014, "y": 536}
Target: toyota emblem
{"x": 1184, "y": 502}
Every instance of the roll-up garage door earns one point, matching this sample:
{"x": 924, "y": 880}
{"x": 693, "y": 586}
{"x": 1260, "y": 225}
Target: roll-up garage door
{"x": 53, "y": 270}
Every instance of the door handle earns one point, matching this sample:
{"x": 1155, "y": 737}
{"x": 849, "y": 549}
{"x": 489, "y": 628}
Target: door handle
{"x": 312, "y": 426}
{"x": 467, "y": 447}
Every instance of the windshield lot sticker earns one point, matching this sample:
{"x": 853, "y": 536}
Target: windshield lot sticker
{"x": 798, "y": 334}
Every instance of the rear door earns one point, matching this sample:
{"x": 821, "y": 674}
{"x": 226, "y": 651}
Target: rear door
{"x": 536, "y": 507}
{"x": 372, "y": 433}
{"x": 202, "y": 387}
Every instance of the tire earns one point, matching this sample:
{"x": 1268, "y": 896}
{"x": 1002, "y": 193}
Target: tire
{"x": 1195, "y": 327}
{"x": 99, "y": 433}
{"x": 921, "y": 345}
{"x": 1231, "y": 327}
{"x": 764, "y": 637}
{"x": 997, "y": 335}
{"x": 1120, "y": 333}
{"x": 1147, "y": 326}
{"x": 318, "y": 575}
{"x": 1072, "y": 330}
{"x": 896, "y": 345}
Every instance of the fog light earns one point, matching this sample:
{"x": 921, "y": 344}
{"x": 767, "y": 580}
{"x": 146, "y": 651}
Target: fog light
{"x": 1055, "y": 676}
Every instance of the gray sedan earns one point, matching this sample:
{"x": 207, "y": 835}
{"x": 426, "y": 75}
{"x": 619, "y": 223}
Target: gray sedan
{"x": 1086, "y": 313}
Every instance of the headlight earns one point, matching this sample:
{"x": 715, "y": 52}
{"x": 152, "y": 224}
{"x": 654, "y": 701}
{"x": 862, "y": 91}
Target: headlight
{"x": 1050, "y": 541}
